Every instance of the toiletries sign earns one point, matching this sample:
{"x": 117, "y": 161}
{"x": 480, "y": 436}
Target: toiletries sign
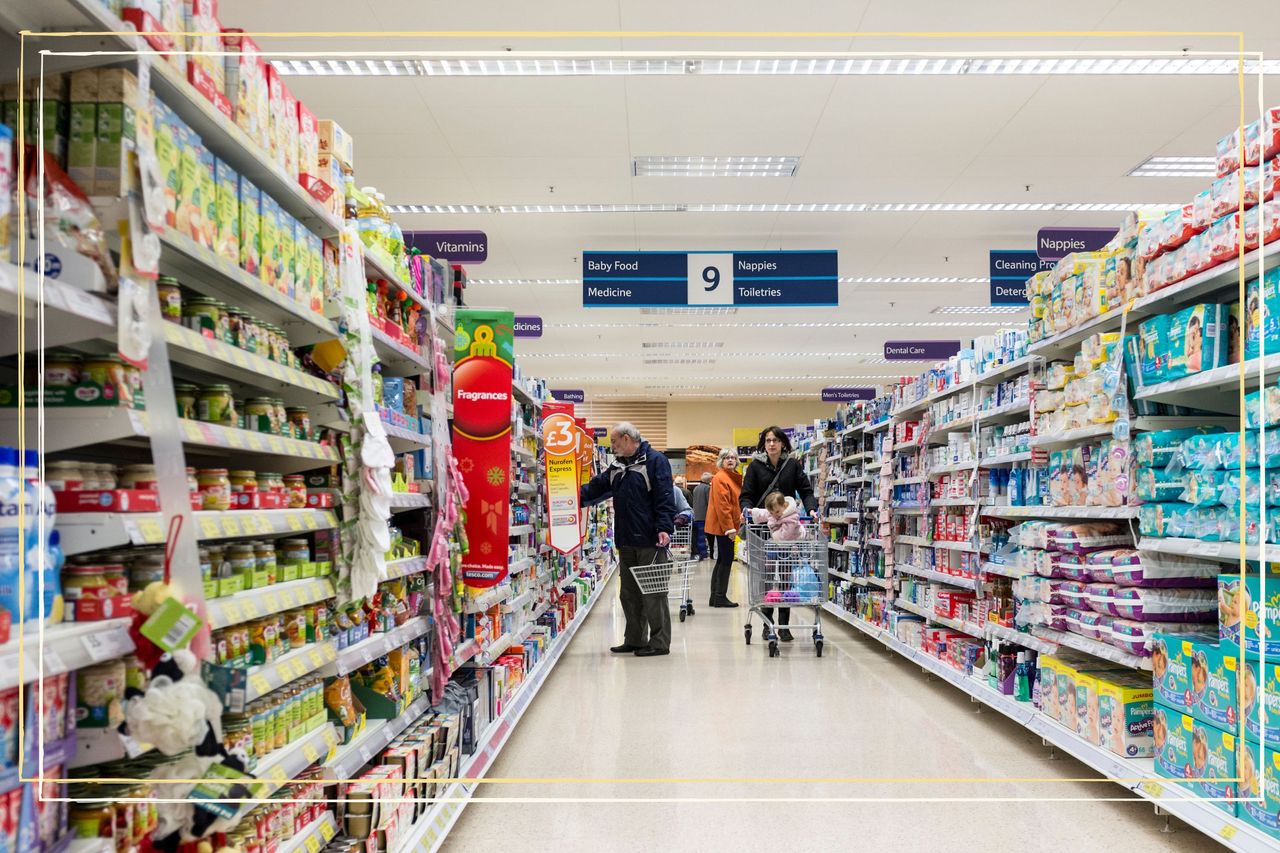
{"x": 561, "y": 442}
{"x": 709, "y": 278}
{"x": 847, "y": 395}
{"x": 528, "y": 327}
{"x": 920, "y": 350}
{"x": 482, "y": 437}
{"x": 1053, "y": 244}
{"x": 456, "y": 247}
{"x": 1009, "y": 270}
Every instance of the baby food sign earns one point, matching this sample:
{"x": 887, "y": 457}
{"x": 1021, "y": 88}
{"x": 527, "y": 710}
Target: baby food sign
{"x": 560, "y": 441}
{"x": 482, "y": 437}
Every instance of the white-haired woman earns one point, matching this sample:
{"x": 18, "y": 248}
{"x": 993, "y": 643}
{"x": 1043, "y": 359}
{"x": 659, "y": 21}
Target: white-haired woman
{"x": 723, "y": 516}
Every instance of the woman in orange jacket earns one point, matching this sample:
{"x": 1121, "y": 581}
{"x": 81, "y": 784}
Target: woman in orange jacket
{"x": 723, "y": 516}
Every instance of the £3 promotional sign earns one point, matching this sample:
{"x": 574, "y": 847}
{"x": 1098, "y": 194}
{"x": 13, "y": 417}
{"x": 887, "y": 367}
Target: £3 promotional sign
{"x": 482, "y": 437}
{"x": 561, "y": 442}
{"x": 763, "y": 279}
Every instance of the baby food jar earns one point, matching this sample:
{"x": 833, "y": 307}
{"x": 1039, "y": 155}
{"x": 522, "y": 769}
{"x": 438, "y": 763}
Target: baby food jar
{"x": 62, "y": 369}
{"x": 265, "y": 560}
{"x": 206, "y": 563}
{"x": 281, "y": 418}
{"x": 149, "y": 568}
{"x": 260, "y": 415}
{"x": 193, "y": 488}
{"x": 215, "y": 488}
{"x": 222, "y": 329}
{"x": 186, "y": 395}
{"x": 295, "y": 486}
{"x": 300, "y": 420}
{"x": 238, "y": 323}
{"x": 271, "y": 482}
{"x": 170, "y": 295}
{"x": 243, "y": 482}
{"x": 241, "y": 560}
{"x": 81, "y": 583}
{"x": 215, "y": 405}
{"x": 293, "y": 551}
{"x": 141, "y": 476}
{"x": 64, "y": 476}
{"x": 107, "y": 371}
{"x": 104, "y": 475}
{"x": 200, "y": 314}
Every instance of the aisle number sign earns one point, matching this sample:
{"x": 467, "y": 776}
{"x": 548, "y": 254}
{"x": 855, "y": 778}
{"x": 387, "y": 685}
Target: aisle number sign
{"x": 561, "y": 440}
{"x": 746, "y": 279}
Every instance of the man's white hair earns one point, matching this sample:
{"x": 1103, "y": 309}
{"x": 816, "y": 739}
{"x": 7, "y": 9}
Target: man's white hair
{"x": 628, "y": 429}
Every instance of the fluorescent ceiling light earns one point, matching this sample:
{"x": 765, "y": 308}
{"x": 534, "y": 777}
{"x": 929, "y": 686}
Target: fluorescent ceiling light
{"x": 1176, "y": 167}
{"x": 810, "y": 207}
{"x": 980, "y": 309}
{"x": 404, "y": 63}
{"x": 720, "y": 311}
{"x": 726, "y": 166}
{"x": 682, "y": 345}
{"x": 663, "y": 360}
{"x": 542, "y": 281}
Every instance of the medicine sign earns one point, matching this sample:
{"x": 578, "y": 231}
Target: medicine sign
{"x": 528, "y": 327}
{"x": 746, "y": 279}
{"x": 1010, "y": 269}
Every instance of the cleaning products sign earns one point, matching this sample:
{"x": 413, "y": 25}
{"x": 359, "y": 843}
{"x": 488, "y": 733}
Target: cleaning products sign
{"x": 483, "y": 353}
{"x": 1010, "y": 269}
{"x": 747, "y": 279}
{"x": 561, "y": 441}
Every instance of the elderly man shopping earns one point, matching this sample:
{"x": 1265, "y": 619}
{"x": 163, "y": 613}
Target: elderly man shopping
{"x": 639, "y": 481}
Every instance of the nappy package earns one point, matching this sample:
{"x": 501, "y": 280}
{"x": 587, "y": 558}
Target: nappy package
{"x": 1171, "y": 739}
{"x": 1255, "y": 683}
{"x": 1213, "y": 765}
{"x": 1171, "y": 660}
{"x": 1262, "y": 314}
{"x": 1265, "y": 815}
{"x": 1241, "y": 604}
{"x": 1125, "y": 708}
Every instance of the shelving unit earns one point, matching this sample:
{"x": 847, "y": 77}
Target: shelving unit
{"x": 91, "y": 531}
{"x": 60, "y": 648}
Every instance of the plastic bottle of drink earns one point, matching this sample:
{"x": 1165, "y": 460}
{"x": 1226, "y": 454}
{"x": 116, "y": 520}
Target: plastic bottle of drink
{"x": 17, "y": 518}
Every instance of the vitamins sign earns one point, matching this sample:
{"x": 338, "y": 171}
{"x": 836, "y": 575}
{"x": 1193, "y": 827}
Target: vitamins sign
{"x": 748, "y": 279}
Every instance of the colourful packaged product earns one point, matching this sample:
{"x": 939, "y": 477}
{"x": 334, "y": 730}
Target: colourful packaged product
{"x": 1087, "y": 713}
{"x": 289, "y": 138}
{"x": 1242, "y": 604}
{"x": 201, "y": 16}
{"x": 308, "y": 149}
{"x": 1215, "y": 685}
{"x": 1171, "y": 660}
{"x": 1171, "y": 739}
{"x": 247, "y": 86}
{"x": 1197, "y": 340}
{"x": 317, "y": 290}
{"x": 1213, "y": 765}
{"x": 285, "y": 277}
{"x": 276, "y": 110}
{"x": 168, "y": 135}
{"x": 1047, "y": 672}
{"x": 1156, "y": 449}
{"x": 208, "y": 198}
{"x": 1154, "y": 350}
{"x": 270, "y": 241}
{"x": 250, "y": 227}
{"x": 1250, "y": 759}
{"x": 1252, "y": 689}
{"x": 1125, "y": 711}
{"x": 1156, "y": 485}
{"x": 1234, "y": 329}
{"x": 1262, "y": 314}
{"x": 118, "y": 103}
{"x": 83, "y": 129}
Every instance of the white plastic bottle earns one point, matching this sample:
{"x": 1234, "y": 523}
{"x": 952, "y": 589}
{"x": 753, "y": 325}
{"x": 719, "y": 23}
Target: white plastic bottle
{"x": 17, "y": 518}
{"x": 50, "y": 609}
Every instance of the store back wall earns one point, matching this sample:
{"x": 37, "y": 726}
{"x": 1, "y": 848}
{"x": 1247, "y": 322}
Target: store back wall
{"x": 711, "y": 422}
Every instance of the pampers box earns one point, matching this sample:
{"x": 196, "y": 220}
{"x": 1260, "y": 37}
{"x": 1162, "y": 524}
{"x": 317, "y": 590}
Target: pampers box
{"x": 1171, "y": 737}
{"x": 1197, "y": 340}
{"x": 1125, "y": 710}
{"x": 1213, "y": 765}
{"x": 1253, "y": 687}
{"x": 1243, "y": 604}
{"x": 1171, "y": 659}
{"x": 1265, "y": 815}
{"x": 1262, "y": 314}
{"x": 1214, "y": 684}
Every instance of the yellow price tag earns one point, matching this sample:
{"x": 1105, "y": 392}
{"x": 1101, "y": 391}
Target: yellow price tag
{"x": 310, "y": 519}
{"x": 317, "y": 659}
{"x": 264, "y": 522}
{"x": 251, "y": 610}
{"x": 1153, "y": 789}
{"x": 250, "y": 524}
{"x": 235, "y": 439}
{"x": 231, "y": 613}
{"x": 287, "y": 596}
{"x": 230, "y": 525}
{"x": 260, "y": 684}
{"x": 255, "y": 442}
{"x": 1228, "y": 831}
{"x": 313, "y": 844}
{"x": 277, "y": 773}
{"x": 150, "y": 530}
{"x": 275, "y": 443}
{"x": 330, "y": 519}
{"x": 309, "y": 750}
{"x": 192, "y": 431}
{"x": 326, "y": 831}
{"x": 330, "y": 755}
{"x": 294, "y": 522}
{"x": 240, "y": 358}
{"x": 271, "y": 601}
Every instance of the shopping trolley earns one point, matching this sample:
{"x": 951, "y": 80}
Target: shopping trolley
{"x": 670, "y": 577}
{"x": 682, "y": 542}
{"x": 785, "y": 574}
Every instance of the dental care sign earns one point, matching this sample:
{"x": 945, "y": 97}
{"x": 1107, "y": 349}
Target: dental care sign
{"x": 561, "y": 441}
{"x": 920, "y": 350}
{"x": 748, "y": 279}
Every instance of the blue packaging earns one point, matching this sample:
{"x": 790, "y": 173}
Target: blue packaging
{"x": 1197, "y": 340}
{"x": 393, "y": 393}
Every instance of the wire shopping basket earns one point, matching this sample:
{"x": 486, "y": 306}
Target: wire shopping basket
{"x": 670, "y": 577}
{"x": 790, "y": 574}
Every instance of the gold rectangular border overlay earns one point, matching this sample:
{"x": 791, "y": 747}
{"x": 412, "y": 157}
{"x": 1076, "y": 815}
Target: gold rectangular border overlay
{"x": 1240, "y": 54}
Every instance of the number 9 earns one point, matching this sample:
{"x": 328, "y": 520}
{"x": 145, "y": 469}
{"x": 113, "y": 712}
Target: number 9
{"x": 711, "y": 275}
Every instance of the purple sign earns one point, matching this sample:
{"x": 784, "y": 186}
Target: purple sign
{"x": 528, "y": 327}
{"x": 1055, "y": 243}
{"x": 568, "y": 395}
{"x": 920, "y": 350}
{"x": 456, "y": 247}
{"x": 847, "y": 395}
{"x": 601, "y": 432}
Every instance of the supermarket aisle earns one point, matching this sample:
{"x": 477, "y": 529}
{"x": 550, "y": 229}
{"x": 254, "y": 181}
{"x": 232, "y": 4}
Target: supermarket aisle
{"x": 718, "y": 709}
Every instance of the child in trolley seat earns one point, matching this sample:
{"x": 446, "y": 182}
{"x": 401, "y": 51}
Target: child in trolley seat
{"x": 782, "y": 514}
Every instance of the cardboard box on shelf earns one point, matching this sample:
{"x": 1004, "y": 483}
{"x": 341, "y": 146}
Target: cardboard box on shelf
{"x": 1213, "y": 764}
{"x": 83, "y": 129}
{"x": 200, "y": 20}
{"x": 227, "y": 241}
{"x": 250, "y": 227}
{"x": 276, "y": 132}
{"x": 1241, "y": 603}
{"x": 247, "y": 85}
{"x": 336, "y": 141}
{"x": 118, "y": 103}
{"x": 1253, "y": 760}
{"x": 290, "y": 138}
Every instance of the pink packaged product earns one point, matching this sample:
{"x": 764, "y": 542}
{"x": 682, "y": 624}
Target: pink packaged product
{"x": 1177, "y": 227}
{"x": 1100, "y": 568}
{"x": 1101, "y": 598}
{"x": 1095, "y": 626}
{"x": 1073, "y": 594}
{"x": 1086, "y": 537}
{"x": 1135, "y": 637}
{"x": 1031, "y": 534}
{"x": 1067, "y": 619}
{"x": 1071, "y": 569}
{"x": 1163, "y": 605}
{"x": 1153, "y": 570}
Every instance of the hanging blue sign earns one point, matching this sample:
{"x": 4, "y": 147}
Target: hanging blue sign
{"x": 568, "y": 395}
{"x": 456, "y": 247}
{"x": 920, "y": 350}
{"x": 528, "y": 327}
{"x": 1010, "y": 269}
{"x": 763, "y": 279}
{"x": 847, "y": 395}
{"x": 1055, "y": 243}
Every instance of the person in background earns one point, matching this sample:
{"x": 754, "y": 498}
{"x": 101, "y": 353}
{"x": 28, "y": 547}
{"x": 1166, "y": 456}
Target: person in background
{"x": 701, "y": 493}
{"x": 772, "y": 469}
{"x": 684, "y": 512}
{"x": 683, "y": 485}
{"x": 639, "y": 481}
{"x": 722, "y": 523}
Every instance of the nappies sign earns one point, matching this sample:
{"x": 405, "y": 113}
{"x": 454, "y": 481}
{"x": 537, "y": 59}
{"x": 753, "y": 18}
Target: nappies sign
{"x": 1053, "y": 244}
{"x": 482, "y": 437}
{"x": 920, "y": 350}
{"x": 561, "y": 440}
{"x": 1010, "y": 269}
{"x": 750, "y": 279}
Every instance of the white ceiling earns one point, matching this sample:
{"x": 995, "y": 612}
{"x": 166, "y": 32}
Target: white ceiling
{"x": 510, "y": 140}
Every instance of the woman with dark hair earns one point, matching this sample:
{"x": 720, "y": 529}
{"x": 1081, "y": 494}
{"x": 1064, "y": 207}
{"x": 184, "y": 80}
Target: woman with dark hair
{"x": 773, "y": 469}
